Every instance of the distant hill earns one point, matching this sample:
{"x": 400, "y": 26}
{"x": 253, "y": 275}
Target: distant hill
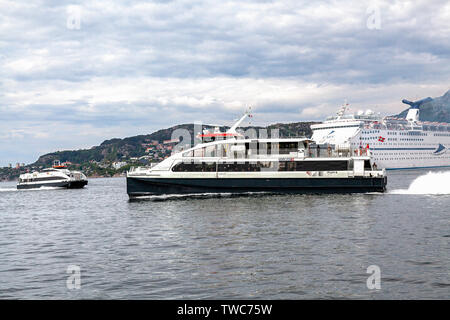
{"x": 112, "y": 149}
{"x": 118, "y": 149}
{"x": 433, "y": 109}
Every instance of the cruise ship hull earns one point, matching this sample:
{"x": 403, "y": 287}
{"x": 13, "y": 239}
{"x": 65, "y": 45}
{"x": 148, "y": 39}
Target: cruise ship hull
{"x": 63, "y": 184}
{"x": 145, "y": 186}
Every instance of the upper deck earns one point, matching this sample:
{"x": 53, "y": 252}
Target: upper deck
{"x": 261, "y": 150}
{"x": 370, "y": 120}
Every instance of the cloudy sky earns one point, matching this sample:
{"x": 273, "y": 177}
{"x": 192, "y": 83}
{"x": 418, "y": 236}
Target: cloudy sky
{"x": 76, "y": 73}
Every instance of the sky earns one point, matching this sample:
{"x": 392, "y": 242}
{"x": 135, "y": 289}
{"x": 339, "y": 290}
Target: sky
{"x": 73, "y": 74}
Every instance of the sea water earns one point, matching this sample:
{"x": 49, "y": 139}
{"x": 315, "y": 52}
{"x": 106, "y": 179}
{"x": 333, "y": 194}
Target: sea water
{"x": 93, "y": 243}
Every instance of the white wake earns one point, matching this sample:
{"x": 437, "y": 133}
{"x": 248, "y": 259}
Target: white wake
{"x": 205, "y": 195}
{"x": 34, "y": 189}
{"x": 430, "y": 183}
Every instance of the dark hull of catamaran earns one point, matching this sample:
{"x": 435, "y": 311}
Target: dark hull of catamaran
{"x": 62, "y": 184}
{"x": 143, "y": 186}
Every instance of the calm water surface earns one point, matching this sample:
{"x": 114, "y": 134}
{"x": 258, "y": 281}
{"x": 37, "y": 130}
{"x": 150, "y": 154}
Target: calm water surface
{"x": 248, "y": 247}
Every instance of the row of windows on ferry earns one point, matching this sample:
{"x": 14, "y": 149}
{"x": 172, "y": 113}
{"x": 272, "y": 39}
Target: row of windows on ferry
{"x": 331, "y": 165}
{"x": 395, "y": 133}
{"x": 33, "y": 179}
{"x": 411, "y": 157}
{"x": 246, "y": 149}
{"x": 405, "y": 130}
{"x": 407, "y": 127}
{"x": 406, "y": 133}
{"x": 391, "y": 139}
{"x": 415, "y": 133}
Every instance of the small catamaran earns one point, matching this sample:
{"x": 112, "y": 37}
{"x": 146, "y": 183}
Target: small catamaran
{"x": 57, "y": 176}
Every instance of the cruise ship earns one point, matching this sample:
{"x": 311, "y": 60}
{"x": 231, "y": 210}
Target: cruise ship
{"x": 393, "y": 143}
{"x": 229, "y": 162}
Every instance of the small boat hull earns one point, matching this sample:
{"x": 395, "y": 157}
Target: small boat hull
{"x": 143, "y": 186}
{"x": 62, "y": 184}
{"x": 77, "y": 184}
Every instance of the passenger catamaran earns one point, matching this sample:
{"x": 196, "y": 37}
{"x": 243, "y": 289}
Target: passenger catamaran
{"x": 229, "y": 162}
{"x": 57, "y": 176}
{"x": 394, "y": 143}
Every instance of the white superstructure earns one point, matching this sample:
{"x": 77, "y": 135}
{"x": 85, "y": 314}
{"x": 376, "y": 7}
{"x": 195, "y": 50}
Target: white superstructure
{"x": 392, "y": 142}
